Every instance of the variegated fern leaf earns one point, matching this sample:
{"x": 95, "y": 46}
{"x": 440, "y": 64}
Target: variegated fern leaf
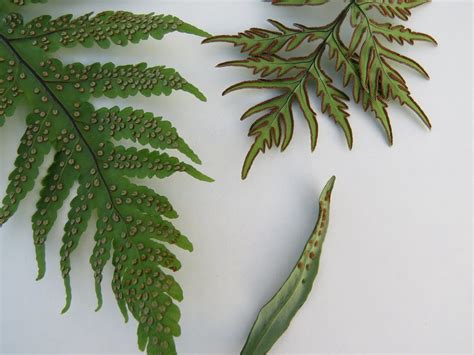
{"x": 366, "y": 63}
{"x": 132, "y": 225}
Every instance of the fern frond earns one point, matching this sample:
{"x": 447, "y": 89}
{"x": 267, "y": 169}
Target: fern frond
{"x": 333, "y": 100}
{"x": 56, "y": 188}
{"x": 381, "y": 78}
{"x": 258, "y": 41}
{"x": 349, "y": 67}
{"x": 139, "y": 126}
{"x": 84, "y": 81}
{"x": 401, "y": 9}
{"x": 298, "y": 2}
{"x": 103, "y": 29}
{"x": 400, "y": 33}
{"x": 132, "y": 228}
{"x": 365, "y": 62}
{"x": 7, "y": 4}
{"x": 267, "y": 65}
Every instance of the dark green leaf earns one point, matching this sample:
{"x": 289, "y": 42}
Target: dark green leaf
{"x": 132, "y": 228}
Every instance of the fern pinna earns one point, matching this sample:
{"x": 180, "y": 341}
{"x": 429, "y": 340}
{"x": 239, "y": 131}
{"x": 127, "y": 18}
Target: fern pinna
{"x": 132, "y": 224}
{"x": 365, "y": 62}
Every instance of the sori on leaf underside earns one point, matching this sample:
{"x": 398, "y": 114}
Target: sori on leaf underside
{"x": 133, "y": 224}
{"x": 365, "y": 62}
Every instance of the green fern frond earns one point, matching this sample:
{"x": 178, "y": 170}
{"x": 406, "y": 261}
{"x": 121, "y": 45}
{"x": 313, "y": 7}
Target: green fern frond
{"x": 258, "y": 41}
{"x": 103, "y": 29}
{"x": 15, "y": 4}
{"x": 298, "y": 2}
{"x": 401, "y": 9}
{"x": 133, "y": 225}
{"x": 365, "y": 62}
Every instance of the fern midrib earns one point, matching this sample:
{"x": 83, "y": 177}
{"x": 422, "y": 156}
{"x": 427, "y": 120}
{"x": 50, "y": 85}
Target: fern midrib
{"x": 53, "y": 96}
{"x": 282, "y": 35}
{"x": 64, "y": 109}
{"x": 78, "y": 130}
{"x": 348, "y": 61}
{"x": 279, "y": 62}
{"x": 71, "y": 119}
{"x": 355, "y": 76}
{"x": 17, "y": 39}
{"x": 63, "y": 29}
{"x": 318, "y": 51}
{"x": 372, "y": 38}
{"x": 290, "y": 94}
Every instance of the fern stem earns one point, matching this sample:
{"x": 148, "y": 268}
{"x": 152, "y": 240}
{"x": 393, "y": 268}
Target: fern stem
{"x": 6, "y": 42}
{"x": 8, "y": 45}
{"x": 369, "y": 27}
{"x": 317, "y": 52}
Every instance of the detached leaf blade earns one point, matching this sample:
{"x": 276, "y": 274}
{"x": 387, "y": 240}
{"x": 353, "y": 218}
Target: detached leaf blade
{"x": 299, "y": 2}
{"x": 275, "y": 317}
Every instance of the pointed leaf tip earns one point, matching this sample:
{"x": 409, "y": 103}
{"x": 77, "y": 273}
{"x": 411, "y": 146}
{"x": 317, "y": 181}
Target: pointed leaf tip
{"x": 41, "y": 268}
{"x": 330, "y": 183}
{"x": 100, "y": 301}
{"x": 195, "y": 92}
{"x": 190, "y": 29}
{"x": 65, "y": 308}
{"x": 40, "y": 275}
{"x": 197, "y": 174}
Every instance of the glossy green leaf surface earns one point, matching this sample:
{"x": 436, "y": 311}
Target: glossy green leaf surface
{"x": 275, "y": 317}
{"x": 133, "y": 229}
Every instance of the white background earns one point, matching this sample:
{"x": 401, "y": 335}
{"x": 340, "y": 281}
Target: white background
{"x": 396, "y": 269}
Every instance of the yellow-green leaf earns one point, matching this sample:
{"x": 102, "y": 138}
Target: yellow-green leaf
{"x": 275, "y": 317}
